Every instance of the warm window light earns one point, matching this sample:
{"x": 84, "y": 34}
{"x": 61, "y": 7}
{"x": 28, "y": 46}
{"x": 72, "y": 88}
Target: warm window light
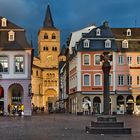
{"x": 4, "y": 22}
{"x": 11, "y": 36}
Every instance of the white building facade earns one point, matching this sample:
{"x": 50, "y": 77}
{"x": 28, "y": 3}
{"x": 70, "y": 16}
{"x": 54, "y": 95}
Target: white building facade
{"x": 15, "y": 69}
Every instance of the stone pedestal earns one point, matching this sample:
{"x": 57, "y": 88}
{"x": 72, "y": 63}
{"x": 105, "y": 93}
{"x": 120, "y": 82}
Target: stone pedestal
{"x": 107, "y": 125}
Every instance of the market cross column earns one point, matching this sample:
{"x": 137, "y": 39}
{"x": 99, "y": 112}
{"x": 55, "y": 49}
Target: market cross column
{"x": 106, "y": 58}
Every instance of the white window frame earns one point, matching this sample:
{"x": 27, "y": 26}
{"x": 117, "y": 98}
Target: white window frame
{"x": 108, "y": 43}
{"x": 84, "y": 79}
{"x": 20, "y": 72}
{"x": 124, "y": 44}
{"x": 84, "y": 59}
{"x": 128, "y": 32}
{"x": 121, "y": 83}
{"x": 98, "y": 32}
{"x": 3, "y": 22}
{"x": 129, "y": 80}
{"x": 138, "y": 60}
{"x": 5, "y": 61}
{"x": 100, "y": 79}
{"x": 11, "y": 33}
{"x": 86, "y": 43}
{"x": 110, "y": 80}
{"x": 129, "y": 60}
{"x": 95, "y": 60}
{"x": 120, "y": 57}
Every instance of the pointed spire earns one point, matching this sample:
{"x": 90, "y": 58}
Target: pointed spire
{"x": 48, "y": 22}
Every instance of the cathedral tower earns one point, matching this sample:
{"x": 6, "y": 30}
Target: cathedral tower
{"x": 45, "y": 82}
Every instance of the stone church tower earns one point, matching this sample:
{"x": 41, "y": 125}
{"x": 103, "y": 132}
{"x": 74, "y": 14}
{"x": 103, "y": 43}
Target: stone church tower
{"x": 45, "y": 78}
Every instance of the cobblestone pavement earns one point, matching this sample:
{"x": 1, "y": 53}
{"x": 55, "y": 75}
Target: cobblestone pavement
{"x": 60, "y": 127}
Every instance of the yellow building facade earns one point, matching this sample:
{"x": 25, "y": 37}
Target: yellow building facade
{"x": 45, "y": 77}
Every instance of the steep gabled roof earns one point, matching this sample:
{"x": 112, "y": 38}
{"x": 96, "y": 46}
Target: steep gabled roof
{"x": 20, "y": 42}
{"x": 10, "y": 25}
{"x": 120, "y": 33}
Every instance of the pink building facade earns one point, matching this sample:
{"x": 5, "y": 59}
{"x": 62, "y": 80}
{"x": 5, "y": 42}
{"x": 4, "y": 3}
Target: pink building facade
{"x": 86, "y": 76}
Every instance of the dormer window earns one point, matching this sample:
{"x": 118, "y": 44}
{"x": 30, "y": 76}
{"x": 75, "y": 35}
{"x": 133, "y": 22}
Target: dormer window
{"x": 86, "y": 43}
{"x": 128, "y": 32}
{"x": 108, "y": 43}
{"x": 11, "y": 36}
{"x": 125, "y": 44}
{"x": 3, "y": 22}
{"x": 98, "y": 32}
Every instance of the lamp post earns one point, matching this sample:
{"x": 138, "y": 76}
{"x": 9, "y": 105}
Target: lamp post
{"x": 106, "y": 58}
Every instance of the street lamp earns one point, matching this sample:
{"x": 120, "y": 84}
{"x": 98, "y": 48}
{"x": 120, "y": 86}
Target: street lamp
{"x": 106, "y": 58}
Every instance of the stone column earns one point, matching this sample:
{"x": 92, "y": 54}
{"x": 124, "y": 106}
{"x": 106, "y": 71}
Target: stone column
{"x": 106, "y": 58}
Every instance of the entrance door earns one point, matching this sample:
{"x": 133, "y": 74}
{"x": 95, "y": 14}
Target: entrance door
{"x": 1, "y": 100}
{"x": 50, "y": 107}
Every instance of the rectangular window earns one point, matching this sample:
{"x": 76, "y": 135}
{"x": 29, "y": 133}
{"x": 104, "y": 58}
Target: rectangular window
{"x": 120, "y": 59}
{"x": 129, "y": 80}
{"x": 86, "y": 59}
{"x": 97, "y": 80}
{"x": 129, "y": 60}
{"x": 19, "y": 64}
{"x": 3, "y": 64}
{"x": 138, "y": 80}
{"x": 86, "y": 80}
{"x": 120, "y": 80}
{"x": 138, "y": 59}
{"x": 97, "y": 60}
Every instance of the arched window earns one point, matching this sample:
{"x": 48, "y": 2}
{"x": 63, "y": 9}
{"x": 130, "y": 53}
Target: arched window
{"x": 125, "y": 44}
{"x": 11, "y": 35}
{"x": 45, "y": 36}
{"x": 108, "y": 43}
{"x": 86, "y": 43}
{"x": 53, "y": 36}
{"x": 3, "y": 22}
{"x": 128, "y": 32}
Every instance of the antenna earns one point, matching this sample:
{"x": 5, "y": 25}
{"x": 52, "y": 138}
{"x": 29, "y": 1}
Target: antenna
{"x": 135, "y": 21}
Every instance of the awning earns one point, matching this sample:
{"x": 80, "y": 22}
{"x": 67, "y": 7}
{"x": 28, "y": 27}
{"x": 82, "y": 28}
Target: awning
{"x": 130, "y": 101}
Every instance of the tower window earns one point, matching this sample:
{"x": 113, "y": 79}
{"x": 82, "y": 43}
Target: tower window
{"x": 53, "y": 36}
{"x": 45, "y": 36}
{"x": 54, "y": 48}
{"x": 45, "y": 48}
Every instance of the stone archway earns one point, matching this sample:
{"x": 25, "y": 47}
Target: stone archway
{"x": 137, "y": 105}
{"x": 120, "y": 104}
{"x": 15, "y": 99}
{"x": 86, "y": 105}
{"x": 50, "y": 100}
{"x": 96, "y": 105}
{"x": 129, "y": 104}
{"x": 1, "y": 100}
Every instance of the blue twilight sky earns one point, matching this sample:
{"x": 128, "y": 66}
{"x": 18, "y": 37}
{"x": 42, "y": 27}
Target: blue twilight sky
{"x": 70, "y": 15}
